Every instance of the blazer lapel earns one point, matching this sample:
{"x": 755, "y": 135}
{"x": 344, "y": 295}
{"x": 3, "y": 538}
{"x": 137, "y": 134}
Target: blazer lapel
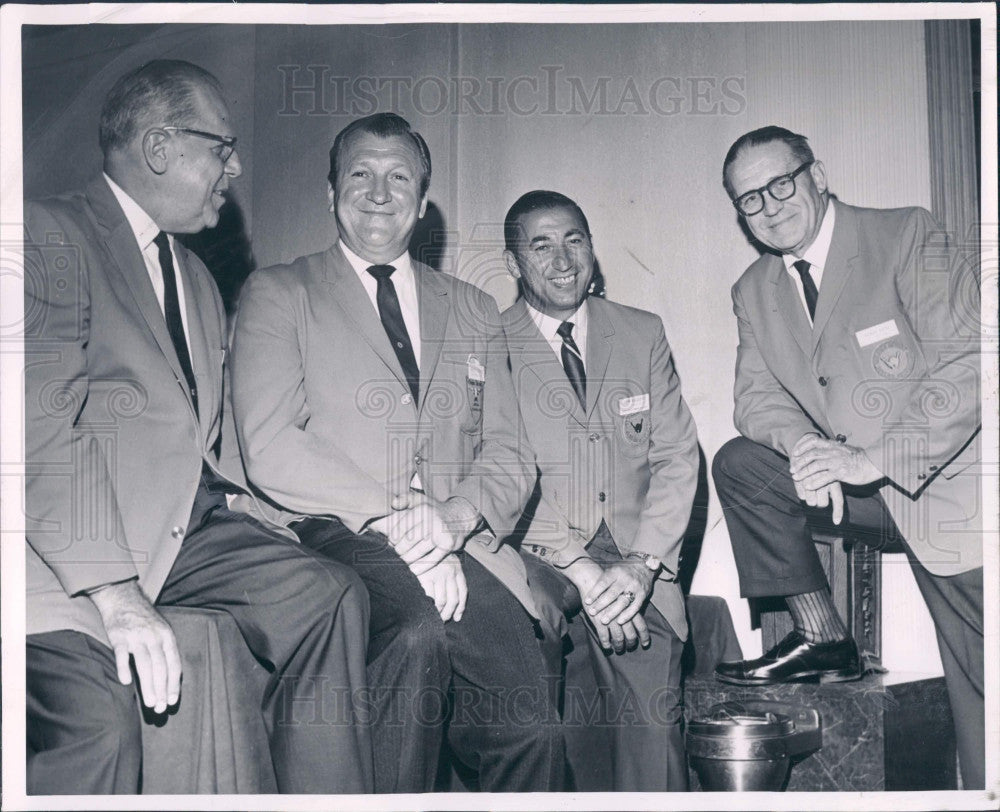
{"x": 128, "y": 263}
{"x": 839, "y": 267}
{"x": 434, "y": 307}
{"x": 599, "y": 333}
{"x": 789, "y": 305}
{"x": 530, "y": 348}
{"x": 349, "y": 294}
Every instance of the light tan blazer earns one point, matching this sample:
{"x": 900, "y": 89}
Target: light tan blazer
{"x": 891, "y": 365}
{"x": 630, "y": 459}
{"x": 114, "y": 449}
{"x": 326, "y": 420}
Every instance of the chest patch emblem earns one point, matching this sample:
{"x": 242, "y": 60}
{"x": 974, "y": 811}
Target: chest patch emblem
{"x": 892, "y": 359}
{"x": 636, "y": 427}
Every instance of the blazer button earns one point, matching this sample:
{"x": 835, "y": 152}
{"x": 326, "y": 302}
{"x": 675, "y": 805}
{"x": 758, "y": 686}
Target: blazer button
{"x": 921, "y": 476}
{"x": 177, "y": 532}
{"x": 417, "y": 459}
{"x": 594, "y": 438}
{"x": 601, "y": 496}
{"x": 841, "y": 438}
{"x": 407, "y": 399}
{"x": 822, "y": 381}
{"x": 934, "y": 467}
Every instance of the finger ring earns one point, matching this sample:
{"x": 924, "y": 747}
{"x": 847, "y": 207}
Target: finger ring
{"x": 629, "y": 595}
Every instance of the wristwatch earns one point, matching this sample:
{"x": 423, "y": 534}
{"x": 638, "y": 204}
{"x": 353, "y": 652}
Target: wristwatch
{"x": 650, "y": 560}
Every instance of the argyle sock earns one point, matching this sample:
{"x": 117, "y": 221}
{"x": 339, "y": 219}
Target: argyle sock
{"x": 815, "y": 617}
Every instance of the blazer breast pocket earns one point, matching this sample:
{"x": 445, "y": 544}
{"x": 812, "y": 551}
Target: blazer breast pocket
{"x": 468, "y": 379}
{"x": 633, "y": 432}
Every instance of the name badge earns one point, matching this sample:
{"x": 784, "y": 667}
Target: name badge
{"x": 880, "y": 332}
{"x": 477, "y": 372}
{"x": 638, "y": 403}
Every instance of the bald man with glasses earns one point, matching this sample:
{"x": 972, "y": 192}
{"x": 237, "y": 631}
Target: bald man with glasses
{"x": 127, "y": 496}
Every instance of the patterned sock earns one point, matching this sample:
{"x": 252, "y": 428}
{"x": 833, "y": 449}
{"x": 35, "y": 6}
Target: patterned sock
{"x": 815, "y": 617}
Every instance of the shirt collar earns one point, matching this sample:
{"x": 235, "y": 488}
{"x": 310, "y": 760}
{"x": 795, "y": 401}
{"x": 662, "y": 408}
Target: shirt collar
{"x": 142, "y": 225}
{"x": 402, "y": 263}
{"x": 817, "y": 253}
{"x": 548, "y": 325}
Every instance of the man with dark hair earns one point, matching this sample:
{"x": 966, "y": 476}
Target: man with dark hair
{"x": 617, "y": 457}
{"x": 126, "y": 494}
{"x": 375, "y": 406}
{"x": 857, "y": 390}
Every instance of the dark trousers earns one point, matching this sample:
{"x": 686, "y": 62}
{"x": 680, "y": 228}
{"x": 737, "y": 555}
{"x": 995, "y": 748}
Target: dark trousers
{"x": 621, "y": 712}
{"x": 304, "y": 615}
{"x": 477, "y": 683}
{"x": 775, "y": 556}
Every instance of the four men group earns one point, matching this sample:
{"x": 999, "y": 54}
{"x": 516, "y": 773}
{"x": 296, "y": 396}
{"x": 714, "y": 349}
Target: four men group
{"x": 445, "y": 508}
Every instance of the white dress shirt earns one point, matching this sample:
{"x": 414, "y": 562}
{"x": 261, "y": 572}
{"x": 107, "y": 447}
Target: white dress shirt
{"x": 145, "y": 231}
{"x": 816, "y": 255}
{"x": 405, "y": 282}
{"x": 548, "y": 326}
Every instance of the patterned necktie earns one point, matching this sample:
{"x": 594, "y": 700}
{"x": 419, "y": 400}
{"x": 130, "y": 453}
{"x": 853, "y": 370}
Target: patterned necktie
{"x": 172, "y": 313}
{"x": 573, "y": 362}
{"x": 395, "y": 328}
{"x": 808, "y": 286}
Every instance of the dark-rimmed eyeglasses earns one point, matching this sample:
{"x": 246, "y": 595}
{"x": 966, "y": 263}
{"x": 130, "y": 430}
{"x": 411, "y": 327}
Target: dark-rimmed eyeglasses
{"x": 227, "y": 144}
{"x": 780, "y": 188}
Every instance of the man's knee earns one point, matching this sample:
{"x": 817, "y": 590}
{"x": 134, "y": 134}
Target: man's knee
{"x": 734, "y": 456}
{"x": 329, "y": 587}
{"x": 98, "y": 752}
{"x": 741, "y": 463}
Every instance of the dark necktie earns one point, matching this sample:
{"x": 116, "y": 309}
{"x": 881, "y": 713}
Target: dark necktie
{"x": 172, "y": 313}
{"x": 808, "y": 286}
{"x": 573, "y": 362}
{"x": 395, "y": 328}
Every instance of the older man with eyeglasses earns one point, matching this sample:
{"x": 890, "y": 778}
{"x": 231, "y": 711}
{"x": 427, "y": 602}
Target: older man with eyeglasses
{"x": 126, "y": 491}
{"x": 857, "y": 398}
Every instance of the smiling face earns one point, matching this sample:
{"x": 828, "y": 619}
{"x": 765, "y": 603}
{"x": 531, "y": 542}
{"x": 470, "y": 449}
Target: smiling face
{"x": 196, "y": 178}
{"x": 788, "y": 226}
{"x": 554, "y": 259}
{"x": 377, "y": 197}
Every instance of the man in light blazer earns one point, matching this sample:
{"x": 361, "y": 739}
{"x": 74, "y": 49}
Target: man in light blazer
{"x": 375, "y": 408}
{"x": 617, "y": 459}
{"x": 125, "y": 493}
{"x": 857, "y": 389}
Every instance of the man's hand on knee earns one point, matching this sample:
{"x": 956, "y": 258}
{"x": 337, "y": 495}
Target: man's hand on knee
{"x": 419, "y": 534}
{"x": 445, "y": 585}
{"x": 136, "y": 629}
{"x": 620, "y": 592}
{"x": 817, "y": 462}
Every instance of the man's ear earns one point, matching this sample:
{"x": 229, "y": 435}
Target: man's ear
{"x": 423, "y": 207}
{"x": 330, "y": 197}
{"x": 512, "y": 267}
{"x": 155, "y": 151}
{"x": 818, "y": 172}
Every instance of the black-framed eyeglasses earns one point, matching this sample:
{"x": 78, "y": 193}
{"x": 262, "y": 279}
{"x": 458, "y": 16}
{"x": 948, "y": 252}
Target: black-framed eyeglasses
{"x": 227, "y": 144}
{"x": 780, "y": 188}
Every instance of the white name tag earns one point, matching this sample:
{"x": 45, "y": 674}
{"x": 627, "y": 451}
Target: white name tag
{"x": 880, "y": 332}
{"x": 639, "y": 403}
{"x": 477, "y": 372}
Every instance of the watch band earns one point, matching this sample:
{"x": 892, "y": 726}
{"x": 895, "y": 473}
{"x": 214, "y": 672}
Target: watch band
{"x": 650, "y": 560}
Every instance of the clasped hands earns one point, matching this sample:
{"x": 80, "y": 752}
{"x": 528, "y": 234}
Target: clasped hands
{"x": 818, "y": 467}
{"x": 612, "y": 594}
{"x": 426, "y": 534}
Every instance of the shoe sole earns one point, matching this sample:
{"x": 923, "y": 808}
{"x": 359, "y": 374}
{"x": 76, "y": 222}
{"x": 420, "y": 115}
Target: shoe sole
{"x": 842, "y": 675}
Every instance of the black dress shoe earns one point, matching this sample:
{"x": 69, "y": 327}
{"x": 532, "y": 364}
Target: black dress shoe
{"x": 795, "y": 659}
